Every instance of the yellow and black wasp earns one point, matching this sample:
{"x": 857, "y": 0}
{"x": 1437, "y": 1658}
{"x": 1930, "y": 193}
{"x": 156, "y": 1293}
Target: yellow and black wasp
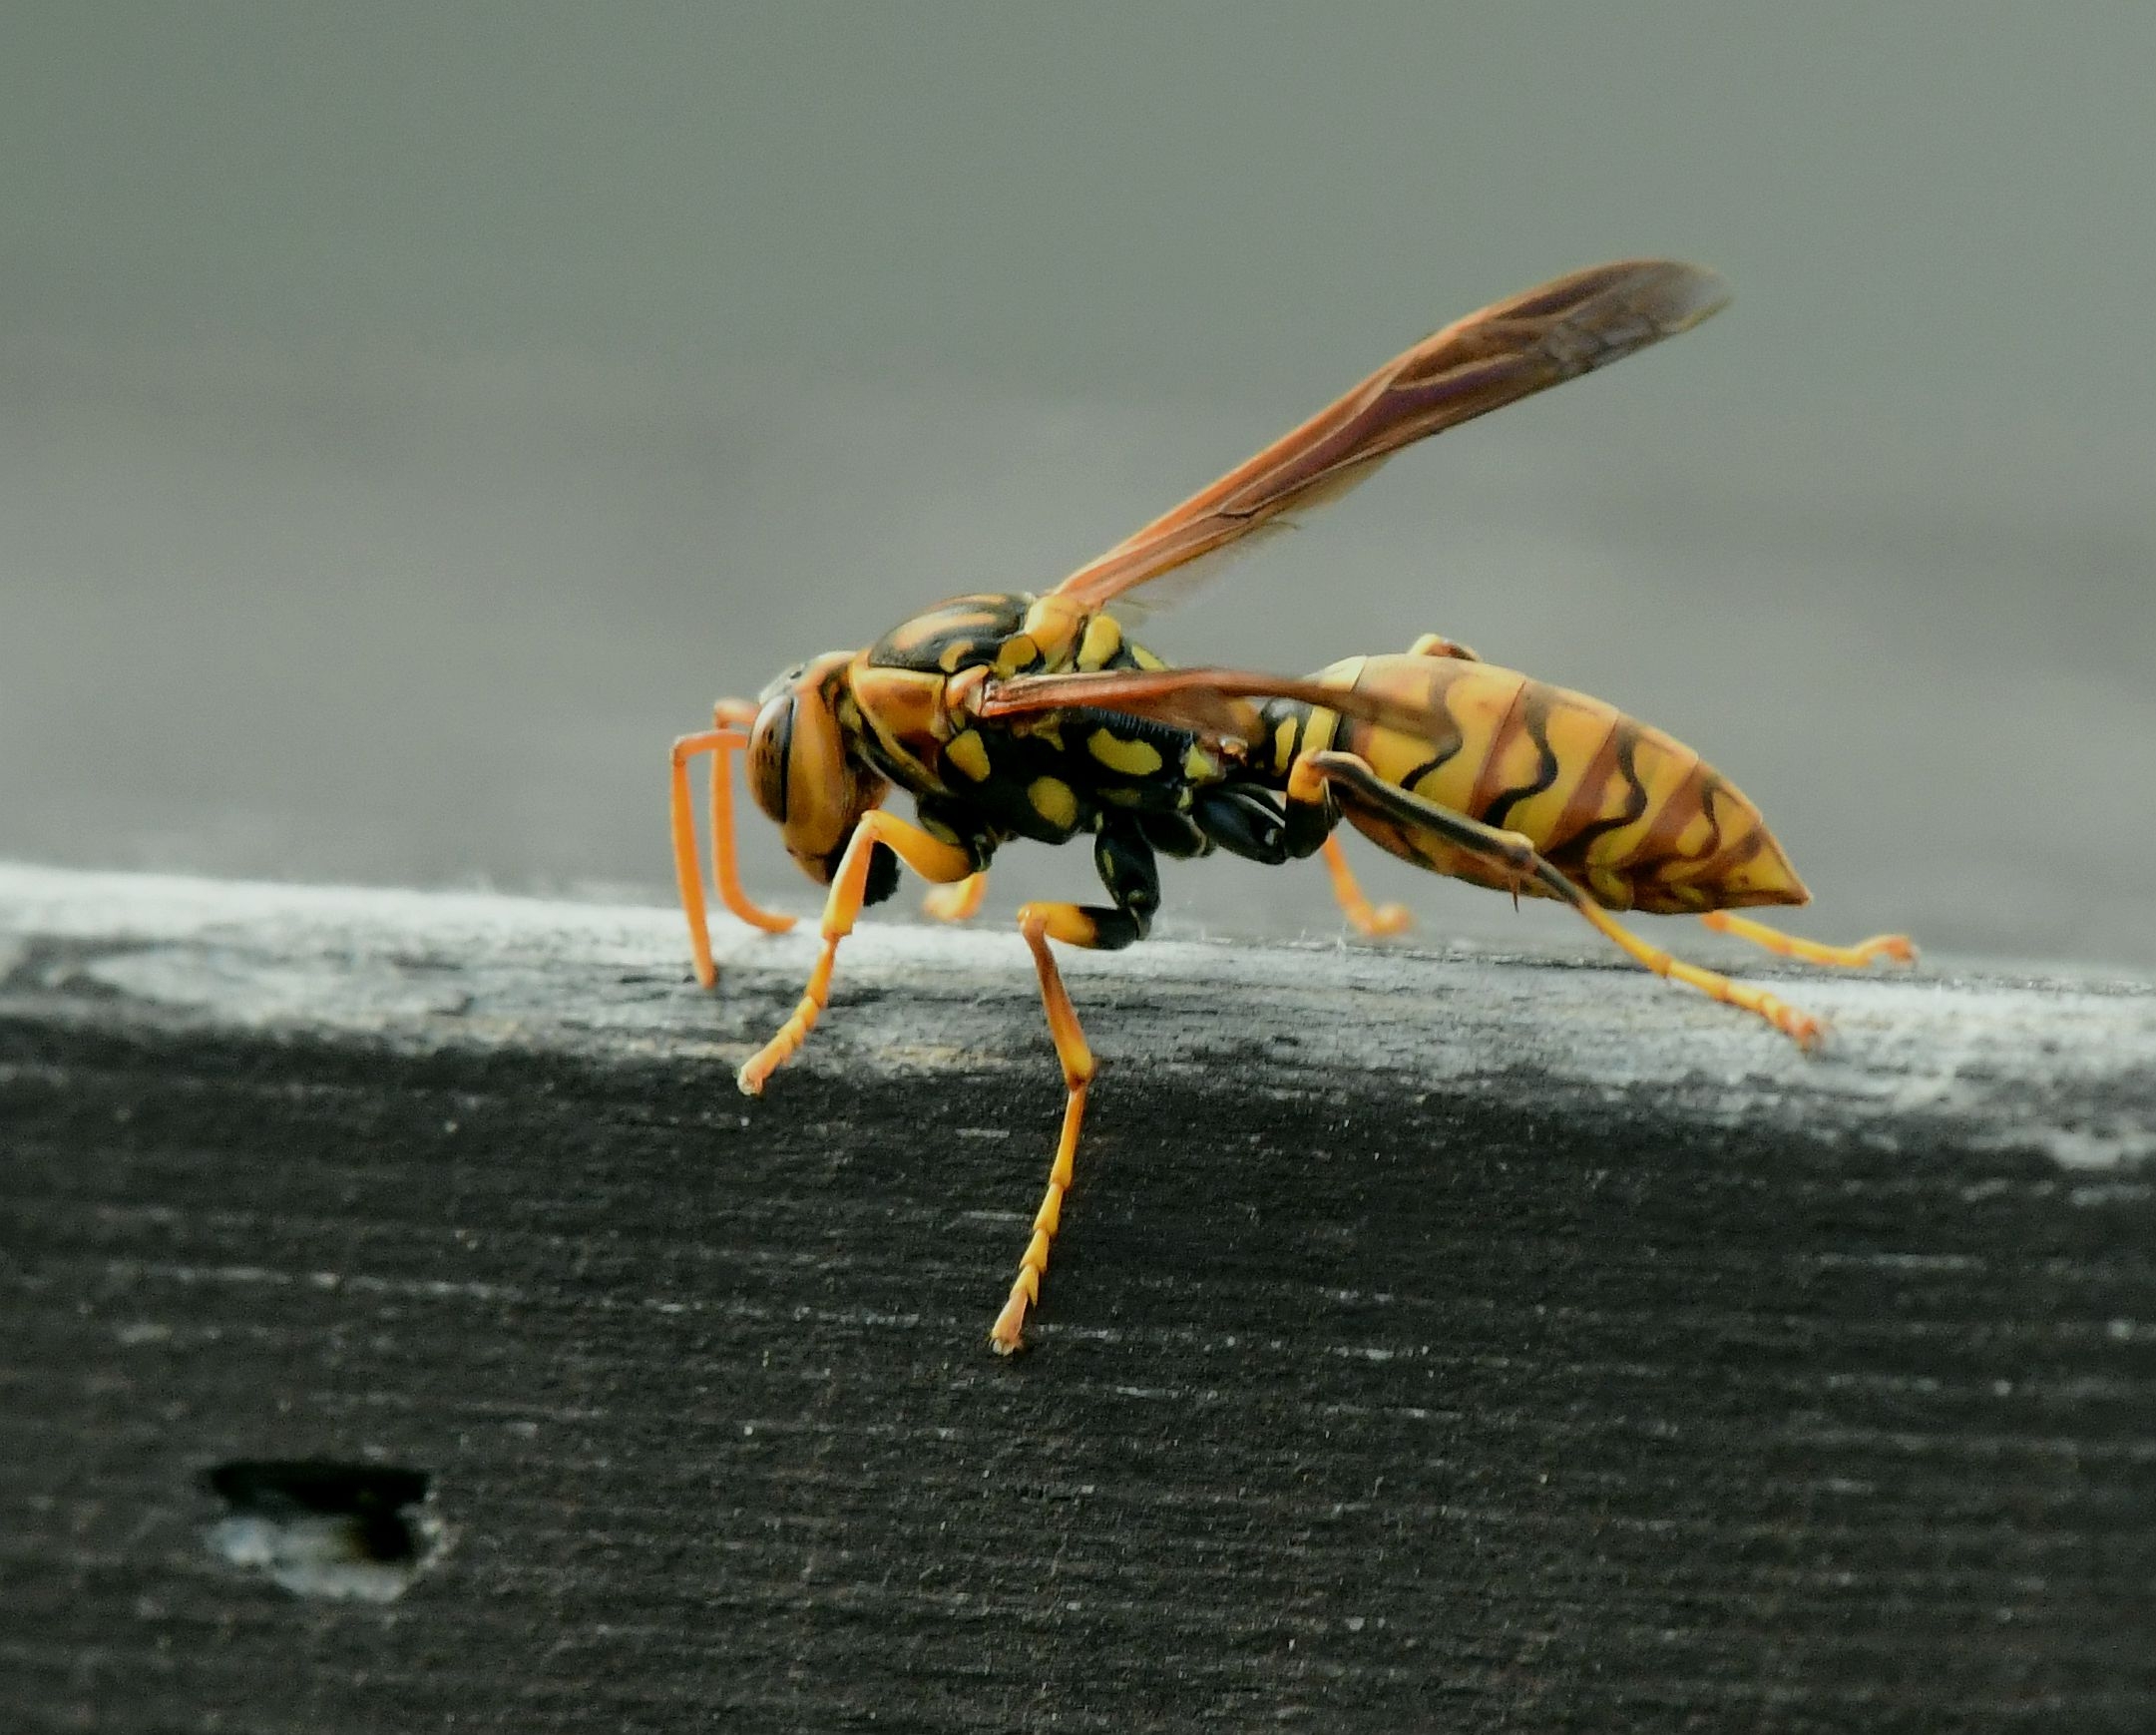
{"x": 1015, "y": 715}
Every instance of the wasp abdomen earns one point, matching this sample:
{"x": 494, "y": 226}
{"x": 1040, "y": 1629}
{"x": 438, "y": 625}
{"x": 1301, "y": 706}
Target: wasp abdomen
{"x": 1629, "y": 814}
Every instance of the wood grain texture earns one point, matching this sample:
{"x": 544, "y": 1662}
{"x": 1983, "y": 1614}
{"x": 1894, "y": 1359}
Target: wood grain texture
{"x": 1435, "y": 1341}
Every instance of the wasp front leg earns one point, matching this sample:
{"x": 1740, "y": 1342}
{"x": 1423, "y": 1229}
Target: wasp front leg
{"x": 1132, "y": 876}
{"x": 727, "y": 736}
{"x": 931, "y": 859}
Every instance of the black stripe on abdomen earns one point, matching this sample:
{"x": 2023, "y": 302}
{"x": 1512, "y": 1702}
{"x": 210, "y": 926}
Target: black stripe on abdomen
{"x": 1534, "y": 719}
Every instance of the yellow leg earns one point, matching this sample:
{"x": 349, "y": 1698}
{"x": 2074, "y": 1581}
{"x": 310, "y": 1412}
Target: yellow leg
{"x": 1800, "y": 1027}
{"x": 1518, "y": 856}
{"x": 959, "y": 903}
{"x": 1038, "y": 922}
{"x": 1365, "y": 917}
{"x": 941, "y": 862}
{"x": 721, "y": 744}
{"x": 736, "y": 715}
{"x": 1897, "y": 948}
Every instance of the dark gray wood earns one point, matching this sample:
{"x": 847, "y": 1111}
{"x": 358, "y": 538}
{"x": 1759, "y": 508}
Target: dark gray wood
{"x": 1436, "y": 1341}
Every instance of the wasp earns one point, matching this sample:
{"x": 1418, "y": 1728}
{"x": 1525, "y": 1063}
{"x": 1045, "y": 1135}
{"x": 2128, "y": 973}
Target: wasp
{"x": 1038, "y": 716}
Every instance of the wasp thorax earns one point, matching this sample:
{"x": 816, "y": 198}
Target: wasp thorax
{"x": 800, "y": 769}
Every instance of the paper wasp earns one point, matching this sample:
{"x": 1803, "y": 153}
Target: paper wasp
{"x": 1035, "y": 717}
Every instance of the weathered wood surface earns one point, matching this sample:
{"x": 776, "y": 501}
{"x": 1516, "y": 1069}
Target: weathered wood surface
{"x": 1436, "y": 1341}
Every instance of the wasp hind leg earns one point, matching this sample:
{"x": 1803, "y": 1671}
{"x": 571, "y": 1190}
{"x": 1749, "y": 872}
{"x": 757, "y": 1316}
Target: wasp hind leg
{"x": 1516, "y": 854}
{"x": 1895, "y": 947}
{"x": 1128, "y": 870}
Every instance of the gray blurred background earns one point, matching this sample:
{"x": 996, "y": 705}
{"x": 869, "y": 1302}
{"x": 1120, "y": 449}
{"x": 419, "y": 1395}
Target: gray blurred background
{"x": 412, "y": 416}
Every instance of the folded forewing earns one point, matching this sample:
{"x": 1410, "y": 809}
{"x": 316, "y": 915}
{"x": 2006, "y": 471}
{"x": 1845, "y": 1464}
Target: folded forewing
{"x": 1203, "y": 700}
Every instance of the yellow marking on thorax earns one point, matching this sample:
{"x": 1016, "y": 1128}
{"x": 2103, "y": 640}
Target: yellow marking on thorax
{"x": 1018, "y": 652}
{"x": 1199, "y": 766}
{"x": 903, "y": 708}
{"x": 970, "y": 755}
{"x": 1131, "y": 758}
{"x": 1053, "y": 800}
{"x": 898, "y": 700}
{"x": 1103, "y": 637}
{"x": 1145, "y": 658}
{"x": 1052, "y": 626}
{"x": 910, "y": 634}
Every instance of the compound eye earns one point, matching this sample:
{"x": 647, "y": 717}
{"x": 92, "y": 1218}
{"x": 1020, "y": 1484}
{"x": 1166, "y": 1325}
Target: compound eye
{"x": 770, "y": 750}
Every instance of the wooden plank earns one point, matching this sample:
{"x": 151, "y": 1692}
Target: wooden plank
{"x": 1436, "y": 1339}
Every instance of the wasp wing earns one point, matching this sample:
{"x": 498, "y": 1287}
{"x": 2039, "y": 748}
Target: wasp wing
{"x": 1206, "y": 701}
{"x": 1510, "y": 351}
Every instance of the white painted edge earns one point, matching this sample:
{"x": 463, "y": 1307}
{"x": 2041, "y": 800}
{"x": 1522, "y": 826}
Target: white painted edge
{"x": 2063, "y": 1062}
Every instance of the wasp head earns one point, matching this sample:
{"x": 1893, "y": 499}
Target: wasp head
{"x": 799, "y": 768}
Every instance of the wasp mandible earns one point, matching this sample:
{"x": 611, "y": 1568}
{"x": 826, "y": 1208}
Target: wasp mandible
{"x": 1011, "y": 716}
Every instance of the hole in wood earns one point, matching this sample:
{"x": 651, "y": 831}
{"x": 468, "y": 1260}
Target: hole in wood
{"x": 353, "y": 1532}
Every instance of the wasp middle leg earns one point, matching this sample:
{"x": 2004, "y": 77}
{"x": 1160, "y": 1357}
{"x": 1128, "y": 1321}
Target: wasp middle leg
{"x": 1373, "y": 921}
{"x": 1520, "y": 858}
{"x": 1132, "y": 876}
{"x": 1381, "y": 921}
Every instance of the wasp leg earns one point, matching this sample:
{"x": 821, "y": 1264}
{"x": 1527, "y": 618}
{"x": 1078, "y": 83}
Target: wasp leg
{"x": 1371, "y": 920}
{"x": 1519, "y": 857}
{"x": 942, "y": 862}
{"x": 737, "y": 715}
{"x": 957, "y": 902}
{"x": 1132, "y": 876}
{"x": 1431, "y": 644}
{"x": 1898, "y": 948}
{"x": 1007, "y": 1335}
{"x": 1307, "y": 829}
{"x": 722, "y": 743}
